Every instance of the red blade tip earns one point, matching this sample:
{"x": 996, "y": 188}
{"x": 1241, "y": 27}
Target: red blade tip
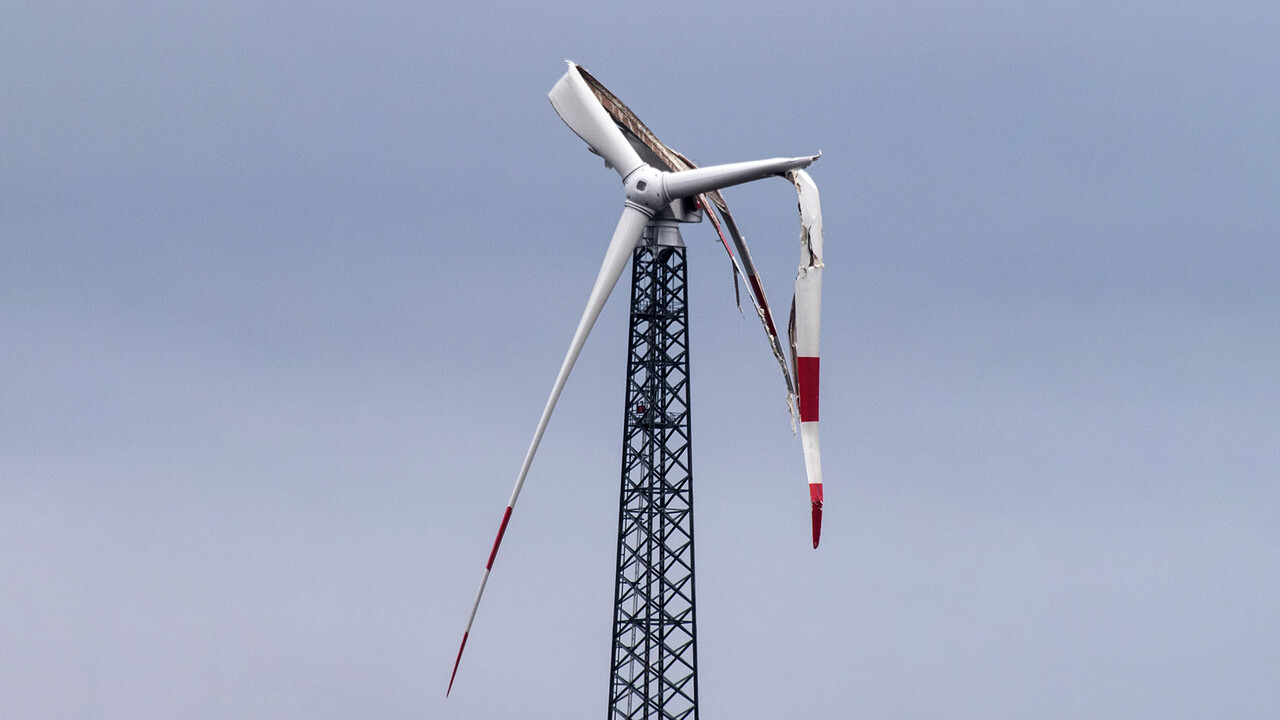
{"x": 456, "y": 661}
{"x": 815, "y": 500}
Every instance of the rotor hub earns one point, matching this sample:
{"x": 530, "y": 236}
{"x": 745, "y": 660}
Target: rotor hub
{"x": 645, "y": 190}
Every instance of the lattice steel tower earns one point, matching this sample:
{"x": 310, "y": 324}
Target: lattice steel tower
{"x": 655, "y": 647}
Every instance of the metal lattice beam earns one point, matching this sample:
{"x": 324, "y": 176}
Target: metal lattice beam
{"x": 655, "y": 649}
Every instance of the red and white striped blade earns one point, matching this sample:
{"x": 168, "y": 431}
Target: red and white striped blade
{"x": 806, "y": 320}
{"x": 625, "y": 237}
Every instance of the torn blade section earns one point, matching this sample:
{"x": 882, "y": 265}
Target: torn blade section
{"x": 757, "y": 294}
{"x": 804, "y": 332}
{"x": 735, "y": 245}
{"x": 581, "y": 110}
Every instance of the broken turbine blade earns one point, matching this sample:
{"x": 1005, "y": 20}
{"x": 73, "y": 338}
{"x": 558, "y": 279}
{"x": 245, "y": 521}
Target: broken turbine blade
{"x": 748, "y": 267}
{"x": 806, "y": 321}
{"x": 578, "y": 106}
{"x": 714, "y": 204}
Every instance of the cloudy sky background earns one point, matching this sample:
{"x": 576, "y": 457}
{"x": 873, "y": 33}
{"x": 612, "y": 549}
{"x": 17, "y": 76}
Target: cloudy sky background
{"x": 283, "y": 287}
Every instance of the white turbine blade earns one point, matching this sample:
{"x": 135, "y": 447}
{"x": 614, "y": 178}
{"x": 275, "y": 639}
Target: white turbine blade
{"x": 806, "y": 317}
{"x": 714, "y": 177}
{"x": 625, "y": 237}
{"x": 581, "y": 110}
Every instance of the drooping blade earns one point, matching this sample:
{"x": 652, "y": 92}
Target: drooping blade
{"x": 578, "y": 106}
{"x": 805, "y": 321}
{"x": 625, "y": 237}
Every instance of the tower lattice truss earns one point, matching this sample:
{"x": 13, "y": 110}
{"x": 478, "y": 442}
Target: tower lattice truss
{"x": 654, "y": 631}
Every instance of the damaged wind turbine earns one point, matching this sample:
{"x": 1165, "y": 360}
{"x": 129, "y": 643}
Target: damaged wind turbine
{"x": 660, "y": 183}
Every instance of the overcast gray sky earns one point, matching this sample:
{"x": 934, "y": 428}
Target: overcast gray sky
{"x": 283, "y": 287}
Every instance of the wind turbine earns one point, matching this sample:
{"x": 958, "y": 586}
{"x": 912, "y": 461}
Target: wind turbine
{"x": 662, "y": 188}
